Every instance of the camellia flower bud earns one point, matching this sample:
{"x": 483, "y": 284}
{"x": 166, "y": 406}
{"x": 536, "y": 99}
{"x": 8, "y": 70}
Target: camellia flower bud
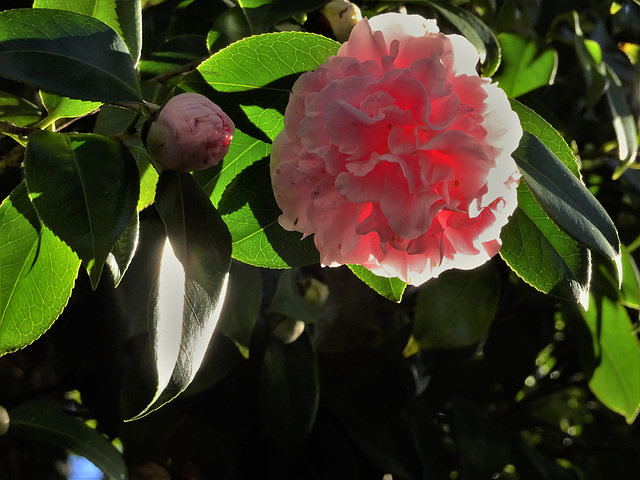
{"x": 342, "y": 17}
{"x": 190, "y": 133}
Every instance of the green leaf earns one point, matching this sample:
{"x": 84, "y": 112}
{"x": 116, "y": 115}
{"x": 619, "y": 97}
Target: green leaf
{"x": 191, "y": 285}
{"x": 85, "y": 188}
{"x": 442, "y": 320}
{"x": 525, "y": 66}
{"x": 623, "y": 122}
{"x": 81, "y": 57}
{"x": 251, "y": 213}
{"x": 124, "y": 16}
{"x": 390, "y": 288}
{"x": 37, "y": 273}
{"x": 589, "y": 56}
{"x": 229, "y": 27}
{"x": 121, "y": 255}
{"x": 43, "y": 422}
{"x": 251, "y": 80}
{"x": 566, "y": 200}
{"x": 262, "y": 14}
{"x": 64, "y": 107}
{"x": 241, "y": 305}
{"x": 476, "y": 31}
{"x": 289, "y": 390}
{"x": 616, "y": 378}
{"x": 532, "y": 244}
{"x": 17, "y": 110}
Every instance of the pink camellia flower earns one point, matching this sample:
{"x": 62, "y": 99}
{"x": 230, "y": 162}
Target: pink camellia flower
{"x": 190, "y": 133}
{"x": 396, "y": 155}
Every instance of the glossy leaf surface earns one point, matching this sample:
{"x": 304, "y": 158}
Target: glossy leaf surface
{"x": 81, "y": 57}
{"x": 240, "y": 186}
{"x": 191, "y": 285}
{"x": 96, "y": 181}
{"x": 37, "y": 273}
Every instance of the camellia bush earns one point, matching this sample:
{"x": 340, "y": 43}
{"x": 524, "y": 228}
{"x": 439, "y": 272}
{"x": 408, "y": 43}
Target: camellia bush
{"x": 307, "y": 240}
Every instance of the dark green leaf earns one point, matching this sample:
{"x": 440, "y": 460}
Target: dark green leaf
{"x": 191, "y": 285}
{"x": 390, "y": 288}
{"x": 442, "y": 320}
{"x": 289, "y": 391}
{"x": 242, "y": 305}
{"x": 525, "y": 65}
{"x": 229, "y": 27}
{"x": 124, "y": 16}
{"x": 121, "y": 254}
{"x": 476, "y": 31}
{"x": 623, "y": 122}
{"x": 566, "y": 200}
{"x": 37, "y": 273}
{"x": 85, "y": 188}
{"x": 43, "y": 422}
{"x": 17, "y": 110}
{"x": 262, "y": 14}
{"x": 81, "y": 57}
{"x": 543, "y": 255}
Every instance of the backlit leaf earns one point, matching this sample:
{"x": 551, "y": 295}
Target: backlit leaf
{"x": 37, "y": 273}
{"x": 391, "y": 288}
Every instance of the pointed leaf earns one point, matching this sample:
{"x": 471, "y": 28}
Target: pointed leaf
{"x": 120, "y": 256}
{"x": 192, "y": 284}
{"x": 623, "y": 122}
{"x": 43, "y": 422}
{"x": 390, "y": 288}
{"x": 566, "y": 200}
{"x": 37, "y": 273}
{"x": 525, "y": 65}
{"x": 124, "y": 16}
{"x": 64, "y": 107}
{"x": 476, "y": 31}
{"x": 443, "y": 321}
{"x": 81, "y": 57}
{"x": 616, "y": 378}
{"x": 589, "y": 56}
{"x": 85, "y": 188}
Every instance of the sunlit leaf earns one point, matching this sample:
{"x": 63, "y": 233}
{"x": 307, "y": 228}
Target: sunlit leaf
{"x": 589, "y": 56}
{"x": 566, "y": 200}
{"x": 81, "y": 57}
{"x": 391, "y": 288}
{"x": 43, "y": 422}
{"x": 525, "y": 65}
{"x": 63, "y": 107}
{"x": 616, "y": 378}
{"x": 252, "y": 85}
{"x": 624, "y": 123}
{"x": 442, "y": 320}
{"x": 37, "y": 273}
{"x": 85, "y": 188}
{"x": 191, "y": 285}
